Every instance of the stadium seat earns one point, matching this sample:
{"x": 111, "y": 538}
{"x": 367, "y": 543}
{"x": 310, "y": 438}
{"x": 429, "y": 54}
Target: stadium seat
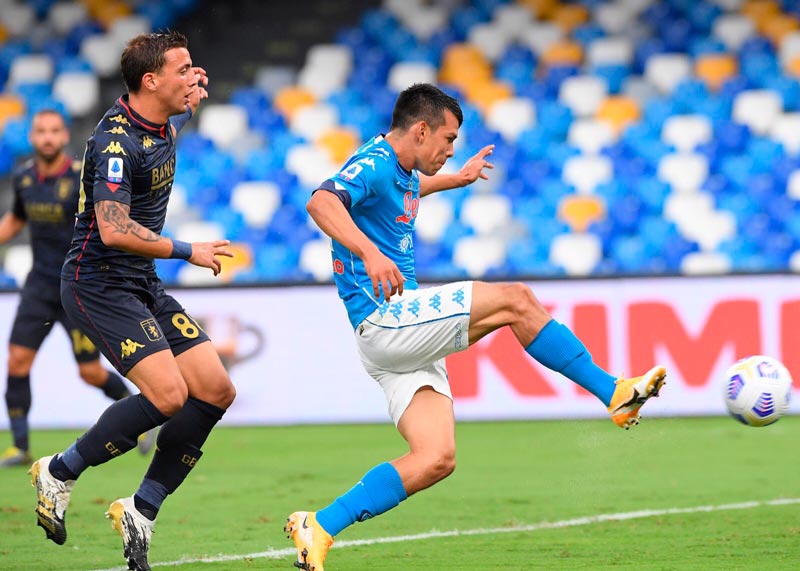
{"x": 257, "y": 201}
{"x": 484, "y": 95}
{"x": 486, "y": 213}
{"x": 477, "y": 255}
{"x": 511, "y": 117}
{"x": 578, "y": 254}
{"x": 64, "y": 16}
{"x": 290, "y": 99}
{"x": 78, "y": 91}
{"x": 272, "y": 78}
{"x": 18, "y": 19}
{"x": 786, "y": 131}
{"x": 610, "y": 51}
{"x": 684, "y": 208}
{"x": 490, "y": 39}
{"x": 793, "y": 185}
{"x": 315, "y": 259}
{"x": 540, "y": 36}
{"x": 326, "y": 69}
{"x": 715, "y": 69}
{"x": 200, "y": 231}
{"x": 223, "y": 123}
{"x": 312, "y": 120}
{"x": 407, "y": 73}
{"x": 30, "y": 68}
{"x": 126, "y": 27}
{"x": 706, "y": 263}
{"x": 563, "y": 53}
{"x": 311, "y": 164}
{"x": 570, "y": 16}
{"x": 339, "y": 142}
{"x": 758, "y": 109}
{"x": 11, "y": 107}
{"x": 586, "y": 172}
{"x": 590, "y": 136}
{"x": 583, "y": 94}
{"x": 733, "y": 30}
{"x": 619, "y": 111}
{"x": 435, "y": 215}
{"x": 18, "y": 262}
{"x": 686, "y": 132}
{"x": 666, "y": 71}
{"x": 103, "y": 52}
{"x": 579, "y": 212}
{"x": 513, "y": 20}
{"x": 684, "y": 172}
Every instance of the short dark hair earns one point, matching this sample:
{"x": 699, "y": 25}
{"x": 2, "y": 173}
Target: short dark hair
{"x": 145, "y": 54}
{"x": 423, "y": 102}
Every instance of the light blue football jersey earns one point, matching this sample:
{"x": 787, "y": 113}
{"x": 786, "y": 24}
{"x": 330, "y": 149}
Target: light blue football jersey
{"x": 384, "y": 199}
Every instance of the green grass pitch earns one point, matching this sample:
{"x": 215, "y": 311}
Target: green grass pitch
{"x": 553, "y": 477}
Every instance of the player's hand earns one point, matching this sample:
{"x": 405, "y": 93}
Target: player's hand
{"x": 473, "y": 168}
{"x": 385, "y": 274}
{"x": 205, "y": 254}
{"x": 199, "y": 93}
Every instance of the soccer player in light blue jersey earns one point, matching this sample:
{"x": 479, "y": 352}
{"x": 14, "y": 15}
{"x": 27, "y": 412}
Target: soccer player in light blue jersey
{"x": 404, "y": 333}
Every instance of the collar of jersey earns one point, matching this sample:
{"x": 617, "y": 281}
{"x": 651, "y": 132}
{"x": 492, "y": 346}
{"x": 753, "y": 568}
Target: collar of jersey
{"x": 123, "y": 102}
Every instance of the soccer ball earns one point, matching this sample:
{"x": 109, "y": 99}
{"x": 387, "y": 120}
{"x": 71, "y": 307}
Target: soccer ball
{"x": 757, "y": 390}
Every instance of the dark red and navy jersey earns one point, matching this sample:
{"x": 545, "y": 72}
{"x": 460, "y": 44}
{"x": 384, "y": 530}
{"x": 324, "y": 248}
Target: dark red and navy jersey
{"x": 130, "y": 160}
{"x": 48, "y": 205}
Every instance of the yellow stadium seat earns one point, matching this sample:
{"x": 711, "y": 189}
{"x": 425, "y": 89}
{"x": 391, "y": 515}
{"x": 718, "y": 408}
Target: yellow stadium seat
{"x": 793, "y": 67}
{"x": 579, "y": 212}
{"x": 11, "y": 107}
{"x": 570, "y": 16}
{"x": 463, "y": 64}
{"x": 563, "y": 53}
{"x": 242, "y": 260}
{"x": 761, "y": 11}
{"x": 340, "y": 143}
{"x": 619, "y": 112}
{"x": 715, "y": 69}
{"x": 542, "y": 9}
{"x": 289, "y": 99}
{"x": 484, "y": 95}
{"x": 108, "y": 12}
{"x": 779, "y": 26}
{"x": 3, "y": 34}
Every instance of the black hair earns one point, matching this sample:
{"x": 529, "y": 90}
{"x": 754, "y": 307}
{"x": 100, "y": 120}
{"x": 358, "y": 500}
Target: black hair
{"x": 423, "y": 102}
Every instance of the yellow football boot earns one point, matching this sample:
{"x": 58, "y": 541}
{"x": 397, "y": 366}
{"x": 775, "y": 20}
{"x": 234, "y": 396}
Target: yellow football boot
{"x": 631, "y": 394}
{"x": 311, "y": 540}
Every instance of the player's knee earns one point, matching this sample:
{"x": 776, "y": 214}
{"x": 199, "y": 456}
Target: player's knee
{"x": 18, "y": 365}
{"x": 95, "y": 376}
{"x": 441, "y": 465}
{"x": 170, "y": 399}
{"x": 522, "y": 299}
{"x": 227, "y": 394}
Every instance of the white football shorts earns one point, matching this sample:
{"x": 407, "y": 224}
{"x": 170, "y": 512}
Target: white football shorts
{"x": 403, "y": 343}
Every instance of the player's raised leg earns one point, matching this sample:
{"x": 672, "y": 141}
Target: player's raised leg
{"x": 553, "y": 345}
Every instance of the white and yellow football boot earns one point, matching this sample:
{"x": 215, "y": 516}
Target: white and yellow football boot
{"x": 311, "y": 540}
{"x": 631, "y": 394}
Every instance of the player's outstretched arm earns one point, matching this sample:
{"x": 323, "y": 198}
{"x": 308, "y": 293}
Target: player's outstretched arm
{"x": 10, "y": 226}
{"x": 119, "y": 231}
{"x": 332, "y": 217}
{"x": 469, "y": 173}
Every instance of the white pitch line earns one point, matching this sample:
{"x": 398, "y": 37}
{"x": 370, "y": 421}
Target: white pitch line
{"x": 434, "y": 534}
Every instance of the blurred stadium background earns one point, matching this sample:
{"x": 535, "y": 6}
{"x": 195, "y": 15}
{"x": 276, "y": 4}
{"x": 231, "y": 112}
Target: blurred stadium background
{"x": 634, "y": 137}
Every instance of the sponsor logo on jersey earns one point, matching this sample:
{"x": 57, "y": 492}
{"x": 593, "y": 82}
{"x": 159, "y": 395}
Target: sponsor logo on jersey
{"x": 115, "y": 169}
{"x": 151, "y": 329}
{"x": 120, "y": 119}
{"x": 115, "y": 149}
{"x": 64, "y": 188}
{"x": 129, "y": 347}
{"x": 118, "y": 130}
{"x": 163, "y": 175}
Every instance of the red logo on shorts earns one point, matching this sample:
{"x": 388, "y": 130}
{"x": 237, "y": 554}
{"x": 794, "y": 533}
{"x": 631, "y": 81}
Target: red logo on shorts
{"x": 338, "y": 267}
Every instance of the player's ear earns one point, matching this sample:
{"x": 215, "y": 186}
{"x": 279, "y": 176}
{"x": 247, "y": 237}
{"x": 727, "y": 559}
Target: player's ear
{"x": 421, "y": 130}
{"x": 149, "y": 81}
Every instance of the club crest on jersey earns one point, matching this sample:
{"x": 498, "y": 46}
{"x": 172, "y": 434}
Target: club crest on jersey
{"x": 151, "y": 329}
{"x": 115, "y": 169}
{"x": 64, "y": 188}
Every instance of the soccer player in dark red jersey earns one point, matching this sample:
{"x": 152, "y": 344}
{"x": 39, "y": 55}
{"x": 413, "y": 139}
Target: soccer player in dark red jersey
{"x": 45, "y": 198}
{"x": 110, "y": 288}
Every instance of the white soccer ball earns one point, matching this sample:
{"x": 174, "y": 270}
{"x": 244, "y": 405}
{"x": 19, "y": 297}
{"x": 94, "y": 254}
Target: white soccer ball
{"x": 757, "y": 390}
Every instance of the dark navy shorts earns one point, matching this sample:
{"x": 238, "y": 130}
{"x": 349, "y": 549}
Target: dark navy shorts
{"x": 39, "y": 309}
{"x": 129, "y": 318}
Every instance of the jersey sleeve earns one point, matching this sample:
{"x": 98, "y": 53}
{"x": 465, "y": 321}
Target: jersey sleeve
{"x": 178, "y": 121}
{"x": 18, "y": 208}
{"x": 356, "y": 180}
{"x": 114, "y": 158}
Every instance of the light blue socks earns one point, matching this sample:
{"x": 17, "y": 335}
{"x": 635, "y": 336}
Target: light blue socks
{"x": 557, "y": 348}
{"x": 378, "y": 491}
